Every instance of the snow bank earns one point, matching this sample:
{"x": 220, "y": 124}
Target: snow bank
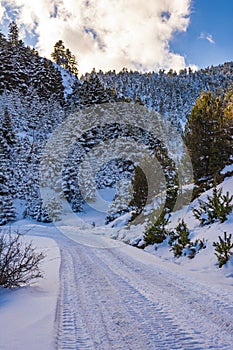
{"x": 204, "y": 265}
{"x": 27, "y": 314}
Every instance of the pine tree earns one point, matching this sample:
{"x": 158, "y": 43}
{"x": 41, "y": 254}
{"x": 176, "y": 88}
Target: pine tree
{"x": 13, "y": 35}
{"x": 72, "y": 63}
{"x": 92, "y": 91}
{"x": 59, "y": 55}
{"x": 181, "y": 239}
{"x": 121, "y": 202}
{"x": 40, "y": 214}
{"x": 86, "y": 182}
{"x": 156, "y": 232}
{"x": 207, "y": 136}
{"x": 54, "y": 208}
{"x": 140, "y": 190}
{"x": 216, "y": 208}
{"x": 64, "y": 58}
{"x": 7, "y": 209}
{"x": 223, "y": 249}
{"x": 7, "y": 129}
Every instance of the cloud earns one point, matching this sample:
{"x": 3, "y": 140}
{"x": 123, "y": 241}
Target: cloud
{"x": 208, "y": 37}
{"x": 2, "y": 11}
{"x": 108, "y": 34}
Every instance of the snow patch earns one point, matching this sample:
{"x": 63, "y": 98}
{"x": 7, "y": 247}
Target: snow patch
{"x": 27, "y": 314}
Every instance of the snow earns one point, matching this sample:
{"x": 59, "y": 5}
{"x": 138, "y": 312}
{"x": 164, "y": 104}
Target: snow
{"x": 205, "y": 262}
{"x": 227, "y": 169}
{"x": 27, "y": 314}
{"x": 95, "y": 212}
{"x": 68, "y": 80}
{"x": 109, "y": 289}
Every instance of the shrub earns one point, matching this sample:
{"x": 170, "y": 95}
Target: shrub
{"x": 156, "y": 232}
{"x": 217, "y": 208}
{"x": 181, "y": 243}
{"x": 223, "y": 249}
{"x": 19, "y": 261}
{"x": 181, "y": 239}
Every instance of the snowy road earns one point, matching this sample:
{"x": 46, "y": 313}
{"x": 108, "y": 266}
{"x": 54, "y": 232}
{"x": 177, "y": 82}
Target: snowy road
{"x": 124, "y": 298}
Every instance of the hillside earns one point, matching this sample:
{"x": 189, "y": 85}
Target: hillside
{"x": 124, "y": 182}
{"x": 37, "y": 96}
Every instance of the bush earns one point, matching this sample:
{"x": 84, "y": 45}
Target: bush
{"x": 19, "y": 262}
{"x": 223, "y": 249}
{"x": 156, "y": 232}
{"x": 181, "y": 239}
{"x": 217, "y": 208}
{"x": 181, "y": 243}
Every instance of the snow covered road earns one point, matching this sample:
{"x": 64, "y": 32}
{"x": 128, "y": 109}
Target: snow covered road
{"x": 124, "y": 298}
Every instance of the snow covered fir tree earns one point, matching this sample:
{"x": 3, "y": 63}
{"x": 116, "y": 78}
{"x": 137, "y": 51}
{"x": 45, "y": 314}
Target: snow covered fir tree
{"x": 37, "y": 95}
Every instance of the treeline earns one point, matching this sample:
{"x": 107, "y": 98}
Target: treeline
{"x": 32, "y": 104}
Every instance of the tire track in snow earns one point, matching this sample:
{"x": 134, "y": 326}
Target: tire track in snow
{"x": 106, "y": 303}
{"x": 157, "y": 325}
{"x": 70, "y": 327}
{"x": 210, "y": 312}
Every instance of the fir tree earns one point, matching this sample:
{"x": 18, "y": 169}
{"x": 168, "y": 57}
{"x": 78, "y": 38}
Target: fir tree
{"x": 216, "y": 208}
{"x": 140, "y": 190}
{"x": 121, "y": 202}
{"x": 58, "y": 55}
{"x": 54, "y": 208}
{"x": 180, "y": 239}
{"x": 156, "y": 232}
{"x": 7, "y": 129}
{"x": 223, "y": 249}
{"x": 7, "y": 209}
{"x": 93, "y": 92}
{"x": 64, "y": 58}
{"x": 72, "y": 63}
{"x": 13, "y": 35}
{"x": 207, "y": 136}
{"x": 40, "y": 214}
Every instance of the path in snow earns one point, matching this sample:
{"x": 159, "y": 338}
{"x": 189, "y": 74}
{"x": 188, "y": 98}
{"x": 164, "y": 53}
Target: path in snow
{"x": 110, "y": 299}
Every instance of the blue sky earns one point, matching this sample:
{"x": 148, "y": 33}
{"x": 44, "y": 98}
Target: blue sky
{"x": 109, "y": 34}
{"x": 214, "y": 17}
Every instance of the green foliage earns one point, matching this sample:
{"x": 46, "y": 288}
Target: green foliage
{"x": 140, "y": 190}
{"x": 64, "y": 58}
{"x": 71, "y": 63}
{"x": 217, "y": 207}
{"x": 181, "y": 243}
{"x": 223, "y": 249}
{"x": 208, "y": 134}
{"x": 156, "y": 232}
{"x": 181, "y": 239}
{"x": 13, "y": 35}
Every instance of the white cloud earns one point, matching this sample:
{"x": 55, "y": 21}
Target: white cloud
{"x": 108, "y": 34}
{"x": 2, "y": 11}
{"x": 208, "y": 37}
